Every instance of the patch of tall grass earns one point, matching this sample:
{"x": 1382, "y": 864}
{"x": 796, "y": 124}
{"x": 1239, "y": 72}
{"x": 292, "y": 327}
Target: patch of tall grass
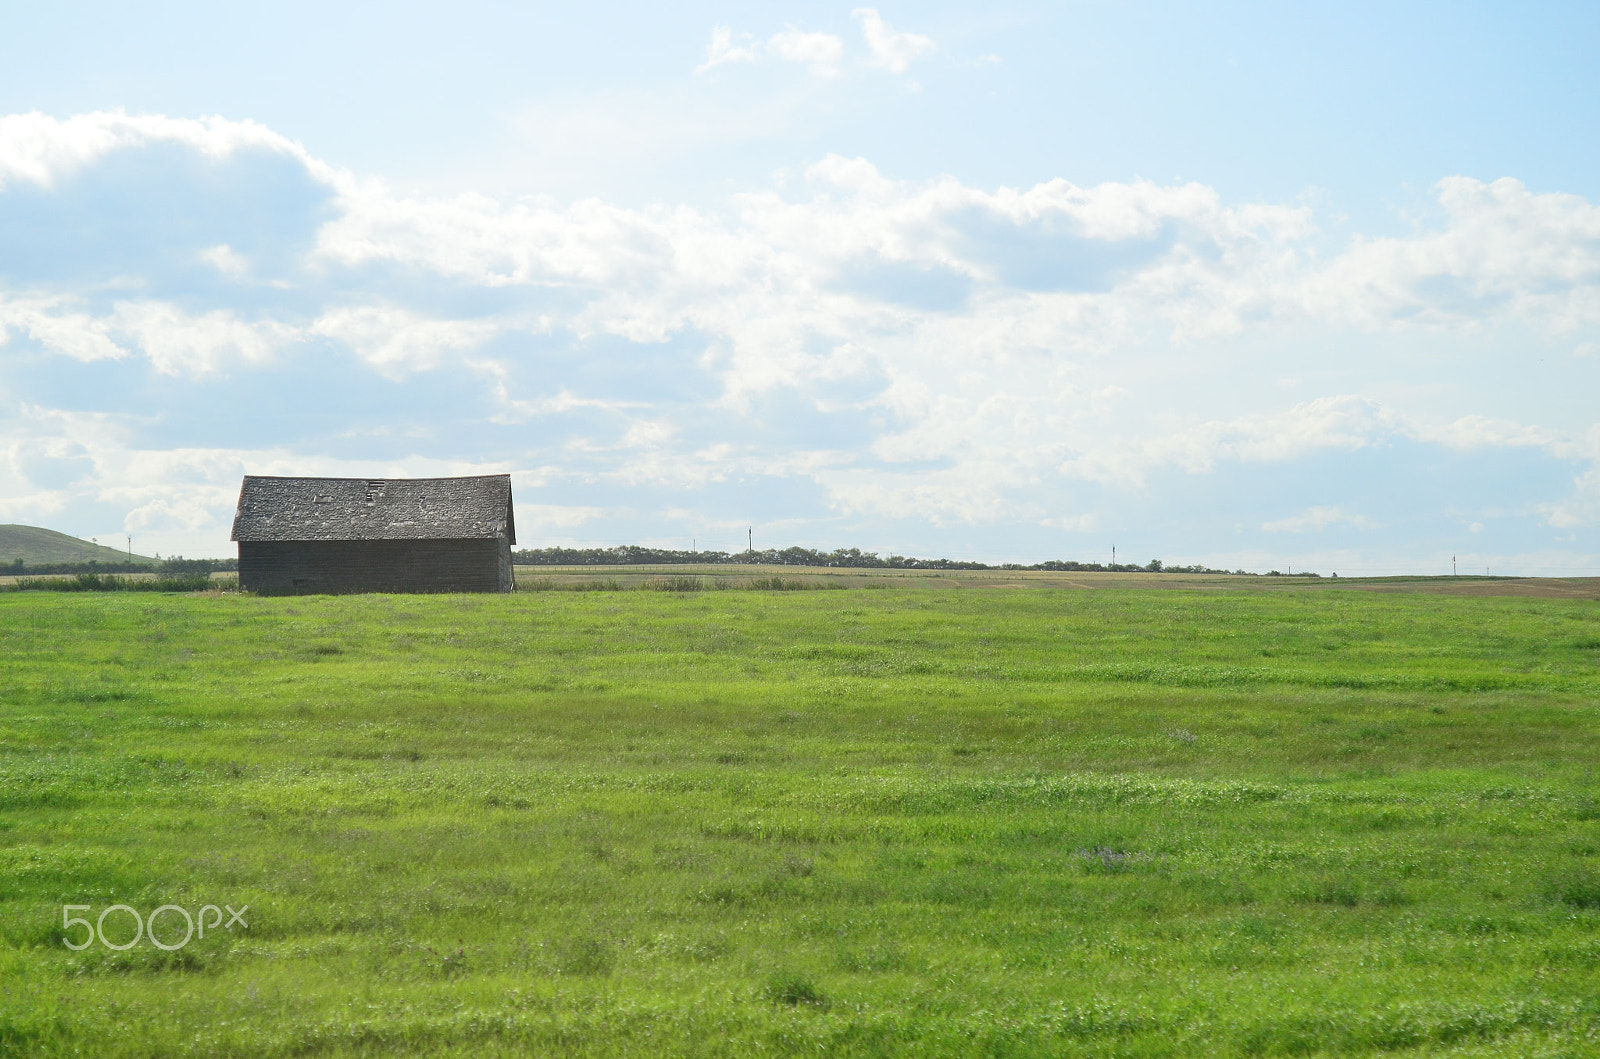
{"x": 680, "y": 584}
{"x": 550, "y": 584}
{"x": 93, "y": 582}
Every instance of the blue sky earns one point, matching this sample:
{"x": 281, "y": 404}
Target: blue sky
{"x": 1251, "y": 285}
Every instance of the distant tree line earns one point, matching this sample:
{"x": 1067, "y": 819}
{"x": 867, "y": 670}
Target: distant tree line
{"x": 176, "y": 565}
{"x": 636, "y": 555}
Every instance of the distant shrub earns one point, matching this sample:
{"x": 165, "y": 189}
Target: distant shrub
{"x": 585, "y": 956}
{"x": 1580, "y": 889}
{"x": 1103, "y": 860}
{"x": 794, "y": 990}
{"x": 1341, "y": 893}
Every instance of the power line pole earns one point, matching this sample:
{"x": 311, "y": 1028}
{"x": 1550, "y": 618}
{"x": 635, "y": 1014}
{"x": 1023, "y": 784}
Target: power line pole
{"x": 1452, "y": 566}
{"x": 750, "y": 541}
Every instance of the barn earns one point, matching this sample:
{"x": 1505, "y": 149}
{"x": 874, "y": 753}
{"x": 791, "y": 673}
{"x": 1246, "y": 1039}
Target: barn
{"x": 316, "y": 535}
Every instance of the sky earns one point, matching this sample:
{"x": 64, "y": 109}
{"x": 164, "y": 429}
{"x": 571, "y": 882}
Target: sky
{"x": 1310, "y": 287}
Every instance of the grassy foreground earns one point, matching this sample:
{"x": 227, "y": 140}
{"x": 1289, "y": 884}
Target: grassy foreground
{"x": 897, "y": 821}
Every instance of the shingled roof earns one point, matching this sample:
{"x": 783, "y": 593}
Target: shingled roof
{"x": 372, "y": 509}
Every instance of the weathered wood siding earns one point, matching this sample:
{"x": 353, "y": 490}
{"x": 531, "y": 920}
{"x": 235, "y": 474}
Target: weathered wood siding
{"x": 280, "y": 568}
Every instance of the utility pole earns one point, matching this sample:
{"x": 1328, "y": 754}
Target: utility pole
{"x": 130, "y": 549}
{"x": 1452, "y": 566}
{"x": 750, "y": 542}
{"x": 1113, "y": 557}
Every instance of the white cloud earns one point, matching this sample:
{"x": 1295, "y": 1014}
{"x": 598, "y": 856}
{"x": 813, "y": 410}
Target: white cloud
{"x": 226, "y": 260}
{"x": 182, "y": 343}
{"x": 534, "y": 517}
{"x": 1173, "y": 255}
{"x": 521, "y": 410}
{"x": 1581, "y": 509}
{"x": 1481, "y": 432}
{"x": 890, "y": 50}
{"x": 821, "y": 53}
{"x": 41, "y": 149}
{"x": 722, "y": 50}
{"x": 176, "y": 342}
{"x": 1073, "y": 523}
{"x": 1316, "y": 519}
{"x": 1344, "y": 423}
{"x": 1503, "y": 248}
{"x": 396, "y": 341}
{"x": 764, "y": 283}
{"x": 72, "y": 334}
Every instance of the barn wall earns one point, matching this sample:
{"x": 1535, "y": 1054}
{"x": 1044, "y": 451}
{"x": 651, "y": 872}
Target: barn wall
{"x": 276, "y": 568}
{"x": 508, "y": 577}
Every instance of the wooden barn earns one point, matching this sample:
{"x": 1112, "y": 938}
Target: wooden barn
{"x": 312, "y": 535}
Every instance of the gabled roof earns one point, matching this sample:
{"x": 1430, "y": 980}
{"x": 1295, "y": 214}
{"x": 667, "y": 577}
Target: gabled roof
{"x": 372, "y": 509}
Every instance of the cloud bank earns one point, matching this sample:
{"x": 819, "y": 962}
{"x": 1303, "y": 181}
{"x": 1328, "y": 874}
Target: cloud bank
{"x": 1008, "y": 372}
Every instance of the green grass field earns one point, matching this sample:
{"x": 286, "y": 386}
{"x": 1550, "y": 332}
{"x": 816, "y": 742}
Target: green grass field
{"x": 923, "y": 819}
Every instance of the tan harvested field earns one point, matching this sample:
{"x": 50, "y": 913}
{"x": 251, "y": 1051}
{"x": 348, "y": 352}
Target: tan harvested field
{"x": 736, "y": 575}
{"x": 635, "y": 576}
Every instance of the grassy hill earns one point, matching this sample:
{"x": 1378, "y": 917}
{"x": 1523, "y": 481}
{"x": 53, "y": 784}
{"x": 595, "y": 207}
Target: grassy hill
{"x": 35, "y": 546}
